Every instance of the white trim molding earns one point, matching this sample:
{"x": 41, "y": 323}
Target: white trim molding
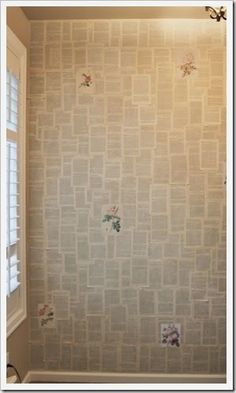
{"x": 34, "y": 376}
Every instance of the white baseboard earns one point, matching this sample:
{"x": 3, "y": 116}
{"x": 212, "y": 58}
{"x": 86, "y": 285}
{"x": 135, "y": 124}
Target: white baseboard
{"x": 103, "y": 377}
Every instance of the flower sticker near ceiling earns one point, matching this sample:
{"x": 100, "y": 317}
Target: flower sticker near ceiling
{"x": 170, "y": 335}
{"x": 87, "y": 80}
{"x": 112, "y": 219}
{"x": 188, "y": 66}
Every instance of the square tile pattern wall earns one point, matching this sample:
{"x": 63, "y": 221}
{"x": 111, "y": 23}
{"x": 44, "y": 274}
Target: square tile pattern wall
{"x": 114, "y": 122}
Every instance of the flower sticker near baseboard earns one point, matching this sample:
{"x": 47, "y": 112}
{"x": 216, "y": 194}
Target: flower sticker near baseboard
{"x": 187, "y": 66}
{"x": 86, "y": 80}
{"x": 111, "y": 219}
{"x": 46, "y": 315}
{"x": 170, "y": 335}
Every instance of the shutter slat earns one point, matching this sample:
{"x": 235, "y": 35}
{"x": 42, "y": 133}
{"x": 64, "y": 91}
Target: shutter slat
{"x": 14, "y": 262}
{"x": 14, "y": 275}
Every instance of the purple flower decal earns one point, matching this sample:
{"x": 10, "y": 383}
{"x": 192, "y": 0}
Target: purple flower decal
{"x": 170, "y": 335}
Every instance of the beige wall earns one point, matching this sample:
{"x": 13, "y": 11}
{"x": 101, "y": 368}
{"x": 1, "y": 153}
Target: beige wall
{"x": 17, "y": 343}
{"x": 17, "y": 346}
{"x": 19, "y": 24}
{"x": 46, "y": 13}
{"x": 146, "y": 138}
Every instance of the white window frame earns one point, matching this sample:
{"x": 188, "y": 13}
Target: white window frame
{"x": 16, "y": 302}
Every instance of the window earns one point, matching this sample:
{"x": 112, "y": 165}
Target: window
{"x": 15, "y": 182}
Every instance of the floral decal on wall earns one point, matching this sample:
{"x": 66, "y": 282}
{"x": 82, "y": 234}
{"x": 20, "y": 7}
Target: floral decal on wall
{"x": 87, "y": 80}
{"x": 170, "y": 335}
{"x": 112, "y": 219}
{"x": 188, "y": 66}
{"x": 46, "y": 315}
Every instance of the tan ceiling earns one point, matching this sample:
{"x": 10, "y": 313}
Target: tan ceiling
{"x": 141, "y": 12}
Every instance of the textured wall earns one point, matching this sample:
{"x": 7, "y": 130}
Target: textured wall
{"x": 147, "y": 139}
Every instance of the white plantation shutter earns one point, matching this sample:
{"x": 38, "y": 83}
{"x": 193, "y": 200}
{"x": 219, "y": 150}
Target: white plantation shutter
{"x": 15, "y": 182}
{"x": 12, "y": 167}
{"x": 12, "y": 215}
{"x": 12, "y": 101}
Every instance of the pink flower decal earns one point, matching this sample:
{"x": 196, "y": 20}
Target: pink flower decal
{"x": 111, "y": 217}
{"x": 87, "y": 80}
{"x": 113, "y": 210}
{"x": 45, "y": 314}
{"x": 188, "y": 65}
